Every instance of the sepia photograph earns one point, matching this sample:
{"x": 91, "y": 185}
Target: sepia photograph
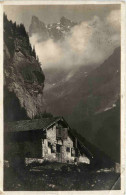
{"x": 62, "y": 83}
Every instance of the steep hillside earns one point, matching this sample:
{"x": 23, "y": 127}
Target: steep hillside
{"x": 23, "y": 76}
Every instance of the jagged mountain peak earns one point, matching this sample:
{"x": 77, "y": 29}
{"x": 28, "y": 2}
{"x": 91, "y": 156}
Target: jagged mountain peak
{"x": 36, "y": 20}
{"x": 38, "y": 27}
{"x": 55, "y": 31}
{"x": 66, "y": 22}
{"x": 64, "y": 19}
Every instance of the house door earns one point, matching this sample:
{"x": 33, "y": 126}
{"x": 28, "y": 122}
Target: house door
{"x": 59, "y": 152}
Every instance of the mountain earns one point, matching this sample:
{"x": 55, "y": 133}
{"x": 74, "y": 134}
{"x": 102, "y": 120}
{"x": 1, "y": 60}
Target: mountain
{"x": 87, "y": 96}
{"x": 55, "y": 31}
{"x": 38, "y": 27}
{"x": 23, "y": 75}
{"x": 96, "y": 88}
{"x": 89, "y": 100}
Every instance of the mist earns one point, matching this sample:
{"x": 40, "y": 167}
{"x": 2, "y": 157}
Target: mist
{"x": 88, "y": 43}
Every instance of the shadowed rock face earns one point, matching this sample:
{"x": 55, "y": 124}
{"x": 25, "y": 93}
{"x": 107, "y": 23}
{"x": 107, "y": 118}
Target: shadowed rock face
{"x": 23, "y": 76}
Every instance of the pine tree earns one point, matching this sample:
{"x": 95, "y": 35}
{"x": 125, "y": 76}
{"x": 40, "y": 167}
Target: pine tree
{"x": 33, "y": 52}
{"x": 22, "y": 30}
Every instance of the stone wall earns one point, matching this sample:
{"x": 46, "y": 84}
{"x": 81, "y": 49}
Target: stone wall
{"x": 84, "y": 159}
{"x": 67, "y": 144}
{"x": 29, "y": 161}
{"x": 49, "y": 147}
{"x": 49, "y": 143}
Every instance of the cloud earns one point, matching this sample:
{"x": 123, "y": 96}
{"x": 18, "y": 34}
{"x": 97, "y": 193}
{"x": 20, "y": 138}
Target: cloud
{"x": 49, "y": 52}
{"x": 114, "y": 19}
{"x": 88, "y": 43}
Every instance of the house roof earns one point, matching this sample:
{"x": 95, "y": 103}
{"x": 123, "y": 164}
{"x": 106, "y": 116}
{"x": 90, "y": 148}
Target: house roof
{"x": 40, "y": 124}
{"x": 28, "y": 125}
{"x": 84, "y": 149}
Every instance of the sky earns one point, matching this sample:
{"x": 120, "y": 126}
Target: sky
{"x": 90, "y": 42}
{"x": 52, "y": 13}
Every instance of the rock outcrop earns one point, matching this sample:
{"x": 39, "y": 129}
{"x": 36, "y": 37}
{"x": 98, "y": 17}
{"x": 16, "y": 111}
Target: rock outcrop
{"x": 23, "y": 75}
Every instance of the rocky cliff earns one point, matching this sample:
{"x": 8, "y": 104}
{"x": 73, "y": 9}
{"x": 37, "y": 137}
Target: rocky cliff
{"x": 23, "y": 75}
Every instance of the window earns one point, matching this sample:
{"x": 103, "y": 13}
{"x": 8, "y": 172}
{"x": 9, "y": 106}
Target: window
{"x": 49, "y": 144}
{"x": 67, "y": 149}
{"x": 51, "y": 147}
{"x": 76, "y": 152}
{"x": 58, "y": 148}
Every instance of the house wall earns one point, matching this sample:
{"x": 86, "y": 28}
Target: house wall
{"x": 47, "y": 154}
{"x": 36, "y": 147}
{"x": 67, "y": 155}
{"x": 50, "y": 138}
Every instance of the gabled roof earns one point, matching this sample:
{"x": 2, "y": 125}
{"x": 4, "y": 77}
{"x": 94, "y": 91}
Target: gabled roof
{"x": 29, "y": 125}
{"x": 41, "y": 124}
{"x": 84, "y": 149}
